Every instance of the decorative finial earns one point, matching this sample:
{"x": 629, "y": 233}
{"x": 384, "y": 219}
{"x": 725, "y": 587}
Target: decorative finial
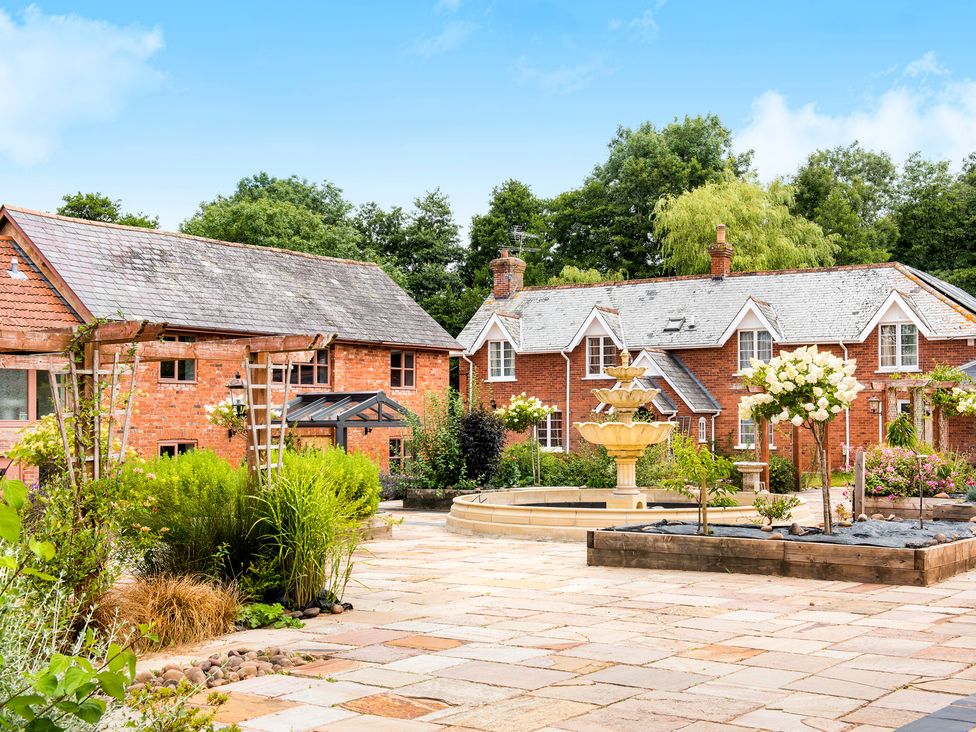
{"x": 624, "y": 358}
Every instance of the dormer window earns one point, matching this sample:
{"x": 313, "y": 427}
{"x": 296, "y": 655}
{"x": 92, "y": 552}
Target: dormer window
{"x": 754, "y": 344}
{"x": 898, "y": 347}
{"x": 501, "y": 361}
{"x": 601, "y": 352}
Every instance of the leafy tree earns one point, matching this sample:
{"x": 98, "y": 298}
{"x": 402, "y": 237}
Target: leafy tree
{"x": 98, "y": 207}
{"x": 611, "y": 218}
{"x": 570, "y": 275}
{"x": 290, "y": 213}
{"x": 512, "y": 204}
{"x": 765, "y": 234}
{"x": 850, "y": 192}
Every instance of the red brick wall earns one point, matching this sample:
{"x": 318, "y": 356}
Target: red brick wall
{"x": 544, "y": 376}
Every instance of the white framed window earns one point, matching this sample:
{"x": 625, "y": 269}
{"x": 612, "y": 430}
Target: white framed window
{"x": 550, "y": 432}
{"x": 897, "y": 347}
{"x": 601, "y": 352}
{"x": 747, "y": 434}
{"x": 754, "y": 344}
{"x": 702, "y": 430}
{"x": 501, "y": 361}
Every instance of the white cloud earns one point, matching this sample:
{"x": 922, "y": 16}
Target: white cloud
{"x": 938, "y": 120}
{"x": 60, "y": 71}
{"x": 452, "y": 36}
{"x": 927, "y": 64}
{"x": 560, "y": 80}
{"x": 447, "y": 6}
{"x": 644, "y": 27}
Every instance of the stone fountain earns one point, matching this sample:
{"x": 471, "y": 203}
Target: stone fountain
{"x": 625, "y": 440}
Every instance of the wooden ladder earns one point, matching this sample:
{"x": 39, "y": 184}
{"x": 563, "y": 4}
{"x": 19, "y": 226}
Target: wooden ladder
{"x": 266, "y": 446}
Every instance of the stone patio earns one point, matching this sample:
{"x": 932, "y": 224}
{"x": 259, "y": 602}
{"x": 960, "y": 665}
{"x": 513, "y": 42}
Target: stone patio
{"x": 465, "y": 633}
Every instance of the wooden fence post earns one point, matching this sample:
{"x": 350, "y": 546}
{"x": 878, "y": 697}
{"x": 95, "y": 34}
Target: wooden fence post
{"x": 857, "y": 501}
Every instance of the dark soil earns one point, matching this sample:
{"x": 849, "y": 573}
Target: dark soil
{"x": 895, "y": 534}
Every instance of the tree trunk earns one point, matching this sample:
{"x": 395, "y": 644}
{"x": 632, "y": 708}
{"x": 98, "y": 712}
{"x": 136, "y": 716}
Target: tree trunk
{"x": 818, "y": 436}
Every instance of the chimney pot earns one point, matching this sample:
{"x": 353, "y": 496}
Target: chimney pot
{"x": 721, "y": 254}
{"x": 508, "y": 275}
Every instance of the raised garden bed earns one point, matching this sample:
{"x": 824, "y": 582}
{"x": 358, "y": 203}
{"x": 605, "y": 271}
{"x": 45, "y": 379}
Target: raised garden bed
{"x": 887, "y": 552}
{"x": 949, "y": 509}
{"x": 432, "y": 499}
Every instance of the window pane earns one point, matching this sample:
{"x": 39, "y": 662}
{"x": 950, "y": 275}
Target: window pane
{"x": 909, "y": 345}
{"x": 44, "y": 403}
{"x": 396, "y": 359}
{"x": 395, "y": 377}
{"x": 889, "y": 346}
{"x": 593, "y": 361}
{"x": 323, "y": 374}
{"x": 764, "y": 345}
{"x": 408, "y": 378}
{"x": 167, "y": 450}
{"x": 188, "y": 370}
{"x": 609, "y": 353}
{"x": 556, "y": 429}
{"x": 702, "y": 430}
{"x": 745, "y": 348}
{"x": 167, "y": 369}
{"x": 13, "y": 394}
{"x": 408, "y": 360}
{"x": 747, "y": 432}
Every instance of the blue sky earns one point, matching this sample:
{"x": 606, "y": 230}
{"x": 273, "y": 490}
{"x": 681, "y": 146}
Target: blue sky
{"x": 167, "y": 104}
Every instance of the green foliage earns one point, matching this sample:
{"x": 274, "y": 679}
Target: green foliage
{"x": 482, "y": 436}
{"x": 776, "y": 508}
{"x": 96, "y": 207}
{"x": 899, "y": 471}
{"x": 570, "y": 275}
{"x": 901, "y": 432}
{"x": 353, "y": 475}
{"x": 971, "y": 494}
{"x": 590, "y": 467}
{"x": 782, "y": 474}
{"x": 200, "y": 506}
{"x": 40, "y": 445}
{"x": 764, "y": 232}
{"x": 262, "y": 615}
{"x": 850, "y": 193}
{"x": 435, "y": 443}
{"x": 696, "y": 465}
{"x": 307, "y": 529}
{"x": 523, "y": 412}
{"x": 168, "y": 709}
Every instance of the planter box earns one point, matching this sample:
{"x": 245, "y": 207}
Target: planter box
{"x": 835, "y": 562}
{"x": 429, "y": 499}
{"x": 932, "y": 508}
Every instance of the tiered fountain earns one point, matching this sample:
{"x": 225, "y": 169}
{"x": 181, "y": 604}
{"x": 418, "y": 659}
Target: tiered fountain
{"x": 625, "y": 440}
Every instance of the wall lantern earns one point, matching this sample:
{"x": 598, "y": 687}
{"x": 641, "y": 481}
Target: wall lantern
{"x": 874, "y": 405}
{"x": 237, "y": 387}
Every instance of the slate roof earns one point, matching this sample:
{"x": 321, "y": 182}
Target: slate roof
{"x": 684, "y": 382}
{"x": 807, "y": 306}
{"x": 190, "y": 281}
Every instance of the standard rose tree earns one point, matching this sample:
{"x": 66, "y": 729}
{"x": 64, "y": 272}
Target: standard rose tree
{"x": 807, "y": 388}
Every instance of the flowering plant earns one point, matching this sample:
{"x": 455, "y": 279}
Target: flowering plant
{"x": 807, "y": 388}
{"x": 895, "y": 471}
{"x": 963, "y": 402}
{"x": 523, "y": 412}
{"x": 227, "y": 415}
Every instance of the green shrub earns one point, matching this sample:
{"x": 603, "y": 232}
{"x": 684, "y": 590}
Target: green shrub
{"x": 435, "y": 444}
{"x": 782, "y": 475}
{"x": 307, "y": 530}
{"x": 354, "y": 475}
{"x": 262, "y": 615}
{"x": 779, "y": 508}
{"x": 971, "y": 494}
{"x": 202, "y": 507}
{"x": 482, "y": 436}
{"x": 895, "y": 471}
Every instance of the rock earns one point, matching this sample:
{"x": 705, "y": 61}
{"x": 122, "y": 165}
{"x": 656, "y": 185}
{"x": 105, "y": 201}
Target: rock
{"x": 265, "y": 666}
{"x": 943, "y": 494}
{"x": 195, "y": 676}
{"x": 232, "y": 677}
{"x": 877, "y": 517}
{"x": 243, "y": 651}
{"x": 205, "y": 666}
{"x": 845, "y": 524}
{"x": 216, "y": 673}
{"x": 775, "y": 535}
{"x": 171, "y": 683}
{"x": 796, "y": 530}
{"x": 278, "y": 659}
{"x": 941, "y": 538}
{"x": 972, "y": 520}
{"x": 311, "y": 612}
{"x": 234, "y": 662}
{"x": 144, "y": 677}
{"x": 171, "y": 667}
{"x": 766, "y": 527}
{"x": 337, "y": 609}
{"x": 862, "y": 517}
{"x": 248, "y": 670}
{"x": 285, "y": 663}
{"x": 173, "y": 674}
{"x": 348, "y": 605}
{"x": 891, "y": 517}
{"x": 250, "y": 655}
{"x": 137, "y": 687}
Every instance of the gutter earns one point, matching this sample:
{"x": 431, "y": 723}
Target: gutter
{"x": 847, "y": 422}
{"x": 470, "y": 381}
{"x": 566, "y": 432}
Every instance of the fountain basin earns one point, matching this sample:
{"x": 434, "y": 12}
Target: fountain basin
{"x": 630, "y": 398}
{"x": 509, "y": 513}
{"x": 623, "y": 436}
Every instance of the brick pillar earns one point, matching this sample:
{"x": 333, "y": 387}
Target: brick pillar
{"x": 508, "y": 274}
{"x": 721, "y": 254}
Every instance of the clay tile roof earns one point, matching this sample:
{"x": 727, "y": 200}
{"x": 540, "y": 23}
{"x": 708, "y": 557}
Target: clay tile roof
{"x": 190, "y": 281}
{"x": 27, "y": 285}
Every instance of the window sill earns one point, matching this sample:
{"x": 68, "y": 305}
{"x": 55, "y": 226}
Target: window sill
{"x": 495, "y": 379}
{"x": 178, "y": 381}
{"x": 912, "y": 370}
{"x": 598, "y": 377}
{"x": 750, "y": 447}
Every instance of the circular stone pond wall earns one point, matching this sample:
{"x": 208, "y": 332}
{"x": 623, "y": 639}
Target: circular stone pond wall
{"x": 566, "y": 514}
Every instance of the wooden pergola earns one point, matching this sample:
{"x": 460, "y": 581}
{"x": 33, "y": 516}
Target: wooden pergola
{"x": 88, "y": 362}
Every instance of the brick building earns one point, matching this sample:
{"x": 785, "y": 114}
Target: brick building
{"x": 57, "y": 272}
{"x": 694, "y": 333}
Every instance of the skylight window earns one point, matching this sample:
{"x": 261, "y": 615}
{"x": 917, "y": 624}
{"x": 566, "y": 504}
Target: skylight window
{"x": 674, "y": 325}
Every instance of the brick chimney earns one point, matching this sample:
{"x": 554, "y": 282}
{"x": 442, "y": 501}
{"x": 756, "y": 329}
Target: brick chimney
{"x": 509, "y": 273}
{"x": 721, "y": 254}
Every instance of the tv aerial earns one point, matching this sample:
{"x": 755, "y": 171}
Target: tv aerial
{"x": 518, "y": 235}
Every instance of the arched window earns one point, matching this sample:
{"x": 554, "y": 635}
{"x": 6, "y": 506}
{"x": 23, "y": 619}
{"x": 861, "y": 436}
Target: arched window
{"x": 702, "y": 430}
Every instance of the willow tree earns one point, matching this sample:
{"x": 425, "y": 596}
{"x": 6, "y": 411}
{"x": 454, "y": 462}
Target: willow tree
{"x": 764, "y": 233}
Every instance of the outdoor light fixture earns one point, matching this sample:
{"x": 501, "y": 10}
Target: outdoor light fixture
{"x": 874, "y": 405}
{"x": 236, "y": 387}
